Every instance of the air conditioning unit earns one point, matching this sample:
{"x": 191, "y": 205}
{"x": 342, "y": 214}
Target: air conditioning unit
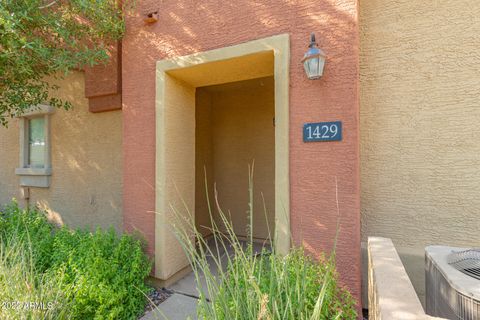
{"x": 452, "y": 282}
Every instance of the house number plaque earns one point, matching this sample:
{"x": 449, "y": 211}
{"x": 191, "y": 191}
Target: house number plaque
{"x": 322, "y": 131}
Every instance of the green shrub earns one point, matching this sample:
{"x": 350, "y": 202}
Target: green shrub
{"x": 107, "y": 273}
{"x": 100, "y": 275}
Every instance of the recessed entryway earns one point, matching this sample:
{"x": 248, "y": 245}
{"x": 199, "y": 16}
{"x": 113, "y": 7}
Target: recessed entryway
{"x": 220, "y": 110}
{"x": 235, "y": 129}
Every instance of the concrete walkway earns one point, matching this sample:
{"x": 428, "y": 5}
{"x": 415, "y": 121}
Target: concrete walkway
{"x": 176, "y": 307}
{"x": 183, "y": 303}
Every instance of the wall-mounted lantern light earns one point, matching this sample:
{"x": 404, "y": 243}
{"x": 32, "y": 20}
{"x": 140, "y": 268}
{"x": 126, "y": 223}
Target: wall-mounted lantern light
{"x": 313, "y": 60}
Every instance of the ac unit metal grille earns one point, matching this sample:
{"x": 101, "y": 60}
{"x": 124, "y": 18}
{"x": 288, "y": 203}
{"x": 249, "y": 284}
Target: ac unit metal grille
{"x": 442, "y": 298}
{"x": 466, "y": 261}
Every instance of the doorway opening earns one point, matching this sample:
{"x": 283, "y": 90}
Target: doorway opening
{"x": 218, "y": 111}
{"x": 235, "y": 128}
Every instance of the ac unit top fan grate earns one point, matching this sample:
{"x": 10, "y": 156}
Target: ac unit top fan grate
{"x": 452, "y": 288}
{"x": 466, "y": 261}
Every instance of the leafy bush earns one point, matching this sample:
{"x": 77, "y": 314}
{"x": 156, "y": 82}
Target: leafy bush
{"x": 100, "y": 275}
{"x": 265, "y": 285}
{"x": 107, "y": 273}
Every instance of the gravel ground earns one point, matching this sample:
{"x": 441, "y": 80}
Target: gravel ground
{"x": 157, "y": 297}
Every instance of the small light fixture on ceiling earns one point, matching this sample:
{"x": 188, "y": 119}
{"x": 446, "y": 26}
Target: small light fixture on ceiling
{"x": 314, "y": 60}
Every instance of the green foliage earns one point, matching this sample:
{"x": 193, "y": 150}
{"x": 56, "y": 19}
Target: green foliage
{"x": 261, "y": 286}
{"x": 98, "y": 275}
{"x": 22, "y": 283}
{"x": 282, "y": 288}
{"x": 107, "y": 273}
{"x": 49, "y": 38}
{"x": 19, "y": 226}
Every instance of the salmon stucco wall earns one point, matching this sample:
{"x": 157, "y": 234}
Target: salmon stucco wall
{"x": 86, "y": 181}
{"x": 420, "y": 150}
{"x": 318, "y": 171}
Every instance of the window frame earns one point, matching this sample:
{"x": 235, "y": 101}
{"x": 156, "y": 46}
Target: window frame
{"x": 31, "y": 176}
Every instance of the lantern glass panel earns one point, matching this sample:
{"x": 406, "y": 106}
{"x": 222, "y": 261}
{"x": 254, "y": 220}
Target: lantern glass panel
{"x": 314, "y": 67}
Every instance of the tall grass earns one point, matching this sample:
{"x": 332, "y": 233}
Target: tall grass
{"x": 252, "y": 285}
{"x": 27, "y": 293}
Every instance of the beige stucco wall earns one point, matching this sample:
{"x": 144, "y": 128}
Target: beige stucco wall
{"x": 203, "y": 160}
{"x": 175, "y": 189}
{"x": 86, "y": 181}
{"x": 241, "y": 132}
{"x": 420, "y": 138}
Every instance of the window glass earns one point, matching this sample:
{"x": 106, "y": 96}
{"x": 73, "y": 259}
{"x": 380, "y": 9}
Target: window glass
{"x": 36, "y": 142}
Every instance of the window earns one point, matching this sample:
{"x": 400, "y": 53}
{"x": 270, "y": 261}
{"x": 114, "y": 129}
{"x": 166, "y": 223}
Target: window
{"x": 35, "y": 166}
{"x": 36, "y": 142}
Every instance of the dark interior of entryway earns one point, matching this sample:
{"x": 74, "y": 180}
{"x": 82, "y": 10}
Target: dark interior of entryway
{"x": 235, "y": 126}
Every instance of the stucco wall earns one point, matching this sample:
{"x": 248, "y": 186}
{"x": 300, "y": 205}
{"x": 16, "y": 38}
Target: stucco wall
{"x": 86, "y": 181}
{"x": 9, "y": 160}
{"x": 420, "y": 150}
{"x": 188, "y": 27}
{"x": 241, "y": 131}
{"x": 203, "y": 160}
